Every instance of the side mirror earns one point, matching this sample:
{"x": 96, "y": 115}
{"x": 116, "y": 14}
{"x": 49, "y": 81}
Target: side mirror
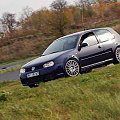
{"x": 82, "y": 45}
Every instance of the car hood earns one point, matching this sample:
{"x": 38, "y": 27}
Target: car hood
{"x": 44, "y": 59}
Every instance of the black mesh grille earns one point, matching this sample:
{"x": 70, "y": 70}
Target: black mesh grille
{"x": 36, "y": 68}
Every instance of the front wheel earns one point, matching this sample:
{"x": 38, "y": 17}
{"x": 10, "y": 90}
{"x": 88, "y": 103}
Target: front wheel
{"x": 117, "y": 55}
{"x": 72, "y": 67}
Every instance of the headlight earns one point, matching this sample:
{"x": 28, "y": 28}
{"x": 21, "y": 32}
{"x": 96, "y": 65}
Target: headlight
{"x": 49, "y": 64}
{"x": 22, "y": 70}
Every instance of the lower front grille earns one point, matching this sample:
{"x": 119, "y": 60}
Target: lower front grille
{"x": 36, "y": 68}
{"x": 38, "y": 79}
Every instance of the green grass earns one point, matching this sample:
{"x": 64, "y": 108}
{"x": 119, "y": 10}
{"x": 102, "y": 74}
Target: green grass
{"x": 91, "y": 96}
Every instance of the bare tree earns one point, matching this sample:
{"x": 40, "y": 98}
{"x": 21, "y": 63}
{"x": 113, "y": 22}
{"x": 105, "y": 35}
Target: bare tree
{"x": 58, "y": 5}
{"x": 8, "y": 22}
{"x": 85, "y": 9}
{"x": 81, "y": 4}
{"x": 59, "y": 19}
{"x": 26, "y": 13}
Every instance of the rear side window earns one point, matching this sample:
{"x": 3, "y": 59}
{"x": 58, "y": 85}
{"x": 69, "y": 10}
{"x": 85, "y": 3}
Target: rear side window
{"x": 104, "y": 35}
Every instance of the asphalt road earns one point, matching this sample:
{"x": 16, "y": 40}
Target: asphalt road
{"x": 10, "y": 76}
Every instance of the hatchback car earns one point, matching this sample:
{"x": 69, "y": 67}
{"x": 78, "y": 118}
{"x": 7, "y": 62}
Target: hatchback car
{"x": 73, "y": 54}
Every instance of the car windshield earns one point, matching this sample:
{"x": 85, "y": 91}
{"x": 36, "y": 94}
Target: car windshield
{"x": 62, "y": 44}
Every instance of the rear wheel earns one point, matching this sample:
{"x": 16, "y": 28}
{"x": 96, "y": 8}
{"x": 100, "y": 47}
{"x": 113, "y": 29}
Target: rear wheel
{"x": 117, "y": 55}
{"x": 72, "y": 67}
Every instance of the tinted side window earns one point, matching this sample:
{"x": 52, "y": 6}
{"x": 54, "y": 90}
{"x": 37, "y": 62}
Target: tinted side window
{"x": 104, "y": 35}
{"x": 70, "y": 42}
{"x": 90, "y": 40}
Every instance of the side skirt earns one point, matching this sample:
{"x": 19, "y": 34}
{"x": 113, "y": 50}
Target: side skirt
{"x": 99, "y": 64}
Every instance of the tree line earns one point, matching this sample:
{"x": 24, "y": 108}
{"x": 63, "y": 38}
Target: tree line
{"x": 60, "y": 17}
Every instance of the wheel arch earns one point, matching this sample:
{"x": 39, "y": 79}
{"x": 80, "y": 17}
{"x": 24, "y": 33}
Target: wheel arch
{"x": 118, "y": 46}
{"x": 115, "y": 59}
{"x": 71, "y": 57}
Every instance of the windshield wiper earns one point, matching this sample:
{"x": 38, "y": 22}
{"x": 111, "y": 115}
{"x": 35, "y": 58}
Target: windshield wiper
{"x": 54, "y": 52}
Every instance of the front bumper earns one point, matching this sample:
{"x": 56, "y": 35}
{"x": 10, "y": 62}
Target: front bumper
{"x": 45, "y": 75}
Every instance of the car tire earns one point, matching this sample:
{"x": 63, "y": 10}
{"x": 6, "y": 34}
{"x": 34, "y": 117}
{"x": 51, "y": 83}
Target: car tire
{"x": 117, "y": 55}
{"x": 72, "y": 68}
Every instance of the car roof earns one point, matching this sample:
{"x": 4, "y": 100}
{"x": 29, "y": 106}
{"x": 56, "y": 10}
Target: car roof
{"x": 81, "y": 32}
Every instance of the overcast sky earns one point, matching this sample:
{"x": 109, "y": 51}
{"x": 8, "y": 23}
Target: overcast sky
{"x": 16, "y": 6}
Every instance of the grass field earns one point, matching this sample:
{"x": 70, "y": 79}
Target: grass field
{"x": 91, "y": 96}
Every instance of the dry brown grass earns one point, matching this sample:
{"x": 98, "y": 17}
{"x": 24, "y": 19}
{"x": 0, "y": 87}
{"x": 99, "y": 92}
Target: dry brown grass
{"x": 22, "y": 49}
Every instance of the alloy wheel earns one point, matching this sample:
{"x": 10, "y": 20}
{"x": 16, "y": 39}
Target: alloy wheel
{"x": 117, "y": 54}
{"x": 72, "y": 68}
